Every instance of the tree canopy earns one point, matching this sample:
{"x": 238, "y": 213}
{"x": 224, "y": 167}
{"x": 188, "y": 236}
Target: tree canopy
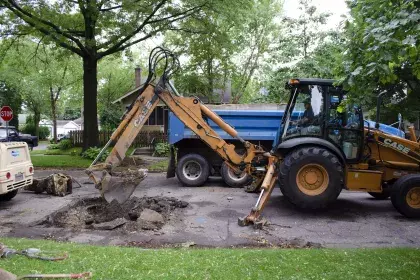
{"x": 383, "y": 54}
{"x": 248, "y": 47}
{"x": 93, "y": 29}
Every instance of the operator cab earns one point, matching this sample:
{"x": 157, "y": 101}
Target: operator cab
{"x": 319, "y": 109}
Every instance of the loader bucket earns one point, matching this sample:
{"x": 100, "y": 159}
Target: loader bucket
{"x": 120, "y": 186}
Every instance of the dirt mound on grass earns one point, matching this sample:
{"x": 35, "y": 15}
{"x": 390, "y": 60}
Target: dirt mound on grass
{"x": 145, "y": 213}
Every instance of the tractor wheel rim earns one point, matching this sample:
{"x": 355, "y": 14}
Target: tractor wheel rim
{"x": 191, "y": 170}
{"x": 413, "y": 198}
{"x": 312, "y": 179}
{"x": 236, "y": 176}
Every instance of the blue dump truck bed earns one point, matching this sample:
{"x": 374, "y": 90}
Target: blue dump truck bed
{"x": 257, "y": 125}
{"x": 252, "y": 125}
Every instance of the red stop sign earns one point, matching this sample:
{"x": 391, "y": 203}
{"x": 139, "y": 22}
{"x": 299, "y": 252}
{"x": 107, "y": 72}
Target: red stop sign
{"x": 6, "y": 113}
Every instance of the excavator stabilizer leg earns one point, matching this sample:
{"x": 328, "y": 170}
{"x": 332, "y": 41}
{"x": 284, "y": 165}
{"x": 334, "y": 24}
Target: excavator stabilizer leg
{"x": 266, "y": 190}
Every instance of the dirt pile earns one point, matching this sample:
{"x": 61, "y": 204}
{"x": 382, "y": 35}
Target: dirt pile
{"x": 145, "y": 213}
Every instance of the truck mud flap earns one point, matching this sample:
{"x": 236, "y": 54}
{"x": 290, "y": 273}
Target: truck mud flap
{"x": 170, "y": 172}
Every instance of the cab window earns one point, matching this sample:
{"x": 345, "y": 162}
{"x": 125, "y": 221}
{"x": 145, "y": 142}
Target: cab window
{"x": 345, "y": 126}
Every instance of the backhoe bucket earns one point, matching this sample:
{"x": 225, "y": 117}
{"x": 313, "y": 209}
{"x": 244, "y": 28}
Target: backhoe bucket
{"x": 120, "y": 186}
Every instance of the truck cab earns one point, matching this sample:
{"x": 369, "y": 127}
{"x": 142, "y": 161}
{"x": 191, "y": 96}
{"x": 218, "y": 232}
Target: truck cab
{"x": 16, "y": 169}
{"x": 11, "y": 134}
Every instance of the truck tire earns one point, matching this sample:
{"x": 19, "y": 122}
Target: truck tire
{"x": 311, "y": 177}
{"x": 405, "y": 195}
{"x": 193, "y": 170}
{"x": 8, "y": 196}
{"x": 30, "y": 147}
{"x": 233, "y": 179}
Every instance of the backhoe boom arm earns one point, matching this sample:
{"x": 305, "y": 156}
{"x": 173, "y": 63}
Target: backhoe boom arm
{"x": 190, "y": 111}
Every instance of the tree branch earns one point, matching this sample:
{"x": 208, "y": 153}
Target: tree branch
{"x": 133, "y": 33}
{"x": 121, "y": 46}
{"x": 32, "y": 19}
{"x": 108, "y": 52}
{"x": 181, "y": 15}
{"x": 37, "y": 47}
{"x": 110, "y": 8}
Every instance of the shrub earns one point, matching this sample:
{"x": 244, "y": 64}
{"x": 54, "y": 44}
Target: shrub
{"x": 162, "y": 149}
{"x": 53, "y": 147}
{"x": 93, "y": 152}
{"x": 29, "y": 128}
{"x": 44, "y": 132}
{"x": 65, "y": 144}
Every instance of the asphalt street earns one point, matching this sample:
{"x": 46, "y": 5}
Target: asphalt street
{"x": 355, "y": 220}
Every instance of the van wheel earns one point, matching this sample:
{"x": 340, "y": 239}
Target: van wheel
{"x": 311, "y": 178}
{"x": 405, "y": 195}
{"x": 8, "y": 196}
{"x": 193, "y": 170}
{"x": 234, "y": 179}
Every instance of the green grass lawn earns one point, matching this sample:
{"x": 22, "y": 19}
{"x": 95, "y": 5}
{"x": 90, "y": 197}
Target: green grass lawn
{"x": 160, "y": 166}
{"x": 135, "y": 263}
{"x": 59, "y": 158}
{"x": 63, "y": 158}
{"x": 60, "y": 161}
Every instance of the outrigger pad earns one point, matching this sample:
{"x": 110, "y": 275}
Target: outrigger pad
{"x": 258, "y": 224}
{"x": 120, "y": 186}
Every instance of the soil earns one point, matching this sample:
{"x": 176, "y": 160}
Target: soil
{"x": 90, "y": 213}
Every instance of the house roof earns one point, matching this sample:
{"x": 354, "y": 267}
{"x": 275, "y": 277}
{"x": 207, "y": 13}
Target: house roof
{"x": 62, "y": 122}
{"x": 128, "y": 94}
{"x": 71, "y": 124}
{"x": 131, "y": 94}
{"x": 78, "y": 121}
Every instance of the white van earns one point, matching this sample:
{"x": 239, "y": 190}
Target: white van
{"x": 16, "y": 169}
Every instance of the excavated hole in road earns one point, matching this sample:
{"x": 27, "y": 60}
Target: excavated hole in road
{"x": 138, "y": 213}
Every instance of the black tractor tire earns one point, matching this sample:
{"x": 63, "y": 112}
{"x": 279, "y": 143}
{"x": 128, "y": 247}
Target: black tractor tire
{"x": 405, "y": 195}
{"x": 320, "y": 175}
{"x": 233, "y": 180}
{"x": 8, "y": 196}
{"x": 193, "y": 170}
{"x": 385, "y": 194}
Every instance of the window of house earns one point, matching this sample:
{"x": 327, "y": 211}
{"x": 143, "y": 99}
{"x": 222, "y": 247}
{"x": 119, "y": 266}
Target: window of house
{"x": 157, "y": 117}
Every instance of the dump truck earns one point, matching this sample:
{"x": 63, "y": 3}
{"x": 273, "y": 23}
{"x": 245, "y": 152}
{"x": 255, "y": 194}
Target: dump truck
{"x": 313, "y": 158}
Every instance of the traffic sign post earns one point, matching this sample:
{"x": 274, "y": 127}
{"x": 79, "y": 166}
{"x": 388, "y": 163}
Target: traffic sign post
{"x": 6, "y": 114}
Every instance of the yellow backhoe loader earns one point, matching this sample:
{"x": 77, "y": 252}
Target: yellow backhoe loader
{"x": 322, "y": 146}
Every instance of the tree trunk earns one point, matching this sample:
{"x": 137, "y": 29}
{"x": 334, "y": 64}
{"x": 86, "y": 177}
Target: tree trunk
{"x": 37, "y": 118}
{"x": 90, "y": 117}
{"x": 54, "y": 115}
{"x": 210, "y": 79}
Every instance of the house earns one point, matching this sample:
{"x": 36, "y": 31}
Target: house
{"x": 158, "y": 120}
{"x": 64, "y": 126}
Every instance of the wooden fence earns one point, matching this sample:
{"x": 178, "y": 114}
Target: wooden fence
{"x": 143, "y": 139}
